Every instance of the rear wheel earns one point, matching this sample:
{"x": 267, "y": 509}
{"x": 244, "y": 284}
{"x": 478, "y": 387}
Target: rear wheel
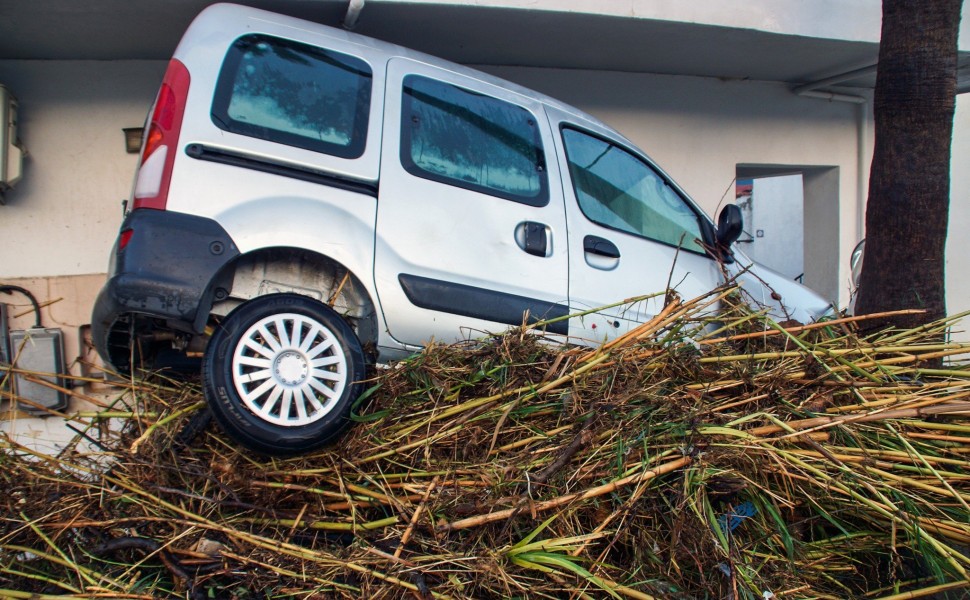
{"x": 281, "y": 373}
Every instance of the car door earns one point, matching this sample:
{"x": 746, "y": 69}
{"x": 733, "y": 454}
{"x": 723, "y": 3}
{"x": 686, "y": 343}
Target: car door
{"x": 470, "y": 220}
{"x": 632, "y": 233}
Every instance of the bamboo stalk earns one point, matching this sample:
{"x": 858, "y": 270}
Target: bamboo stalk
{"x": 808, "y": 425}
{"x": 324, "y": 525}
{"x": 414, "y": 518}
{"x": 812, "y": 326}
{"x": 39, "y": 377}
{"x": 18, "y": 595}
{"x": 162, "y": 422}
{"x": 579, "y": 496}
{"x": 288, "y": 573}
{"x": 818, "y": 428}
{"x": 928, "y": 591}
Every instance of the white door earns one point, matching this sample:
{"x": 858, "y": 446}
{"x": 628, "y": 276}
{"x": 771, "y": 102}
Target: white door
{"x": 774, "y": 224}
{"x": 631, "y": 233}
{"x": 471, "y": 231}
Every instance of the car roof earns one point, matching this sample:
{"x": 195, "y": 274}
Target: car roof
{"x": 235, "y": 20}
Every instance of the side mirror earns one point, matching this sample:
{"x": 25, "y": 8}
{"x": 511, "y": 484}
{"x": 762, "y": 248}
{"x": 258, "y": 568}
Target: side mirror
{"x": 855, "y": 263}
{"x": 729, "y": 226}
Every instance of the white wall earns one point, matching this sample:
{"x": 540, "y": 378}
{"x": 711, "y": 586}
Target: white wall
{"x": 61, "y": 219}
{"x": 957, "y": 244}
{"x": 858, "y": 20}
{"x": 63, "y": 216}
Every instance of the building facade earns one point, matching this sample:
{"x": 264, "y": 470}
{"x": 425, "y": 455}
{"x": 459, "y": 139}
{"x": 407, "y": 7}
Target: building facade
{"x": 714, "y": 90}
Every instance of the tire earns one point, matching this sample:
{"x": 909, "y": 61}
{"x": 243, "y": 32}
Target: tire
{"x": 281, "y": 373}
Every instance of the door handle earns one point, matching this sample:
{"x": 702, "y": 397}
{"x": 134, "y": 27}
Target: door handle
{"x": 593, "y": 244}
{"x": 534, "y": 238}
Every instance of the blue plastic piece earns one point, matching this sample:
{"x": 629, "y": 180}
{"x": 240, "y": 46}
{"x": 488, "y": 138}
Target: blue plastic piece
{"x": 729, "y": 521}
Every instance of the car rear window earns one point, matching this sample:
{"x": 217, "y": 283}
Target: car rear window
{"x": 473, "y": 141}
{"x": 295, "y": 94}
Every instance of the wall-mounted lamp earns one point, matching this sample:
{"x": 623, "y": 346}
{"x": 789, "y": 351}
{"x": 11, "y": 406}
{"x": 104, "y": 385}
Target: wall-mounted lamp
{"x": 133, "y": 139}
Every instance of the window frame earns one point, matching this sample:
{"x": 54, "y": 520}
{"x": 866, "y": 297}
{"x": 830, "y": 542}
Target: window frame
{"x": 540, "y": 199}
{"x": 228, "y": 74}
{"x": 705, "y": 225}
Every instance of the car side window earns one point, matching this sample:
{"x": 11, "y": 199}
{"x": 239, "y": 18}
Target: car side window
{"x": 295, "y": 94}
{"x": 473, "y": 141}
{"x": 618, "y": 190}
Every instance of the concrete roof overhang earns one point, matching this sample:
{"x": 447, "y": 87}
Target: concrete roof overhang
{"x": 499, "y": 33}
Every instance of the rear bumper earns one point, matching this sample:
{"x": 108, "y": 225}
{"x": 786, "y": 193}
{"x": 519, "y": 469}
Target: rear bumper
{"x": 168, "y": 270}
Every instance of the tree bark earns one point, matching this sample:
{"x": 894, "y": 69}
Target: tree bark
{"x": 909, "y": 182}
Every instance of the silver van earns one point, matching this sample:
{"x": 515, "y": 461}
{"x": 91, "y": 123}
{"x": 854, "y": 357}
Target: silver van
{"x": 309, "y": 201}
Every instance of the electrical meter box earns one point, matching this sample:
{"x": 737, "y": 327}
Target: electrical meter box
{"x": 11, "y": 150}
{"x": 38, "y": 355}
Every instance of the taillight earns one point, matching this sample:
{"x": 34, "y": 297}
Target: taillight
{"x": 161, "y": 141}
{"x": 124, "y": 238}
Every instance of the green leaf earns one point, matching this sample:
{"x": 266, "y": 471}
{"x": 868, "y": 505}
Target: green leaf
{"x": 525, "y": 564}
{"x": 532, "y": 535}
{"x": 361, "y": 399}
{"x": 375, "y": 416}
{"x": 558, "y": 544}
{"x": 719, "y": 533}
{"x": 782, "y": 527}
{"x": 566, "y": 564}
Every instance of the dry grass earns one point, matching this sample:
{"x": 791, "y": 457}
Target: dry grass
{"x": 807, "y": 462}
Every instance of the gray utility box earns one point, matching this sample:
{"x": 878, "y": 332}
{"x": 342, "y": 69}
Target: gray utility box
{"x": 11, "y": 150}
{"x": 38, "y": 354}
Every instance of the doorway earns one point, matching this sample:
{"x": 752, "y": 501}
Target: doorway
{"x": 774, "y": 222}
{"x": 791, "y": 221}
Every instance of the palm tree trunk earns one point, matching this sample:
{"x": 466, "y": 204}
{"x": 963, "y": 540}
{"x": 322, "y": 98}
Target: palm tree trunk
{"x": 909, "y": 183}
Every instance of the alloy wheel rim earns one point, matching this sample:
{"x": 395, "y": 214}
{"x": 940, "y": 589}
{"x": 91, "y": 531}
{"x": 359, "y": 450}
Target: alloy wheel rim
{"x": 289, "y": 369}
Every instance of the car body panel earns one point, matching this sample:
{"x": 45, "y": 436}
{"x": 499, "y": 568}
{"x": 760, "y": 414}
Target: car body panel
{"x": 438, "y": 256}
{"x": 442, "y": 232}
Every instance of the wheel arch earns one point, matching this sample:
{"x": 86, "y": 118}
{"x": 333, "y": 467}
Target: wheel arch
{"x": 285, "y": 269}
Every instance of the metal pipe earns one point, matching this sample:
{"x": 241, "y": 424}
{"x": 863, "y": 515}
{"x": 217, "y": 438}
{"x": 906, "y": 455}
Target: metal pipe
{"x": 861, "y": 182}
{"x": 354, "y": 7}
{"x": 834, "y": 79}
{"x": 834, "y": 97}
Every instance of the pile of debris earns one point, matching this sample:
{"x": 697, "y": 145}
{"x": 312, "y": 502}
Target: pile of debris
{"x": 686, "y": 459}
